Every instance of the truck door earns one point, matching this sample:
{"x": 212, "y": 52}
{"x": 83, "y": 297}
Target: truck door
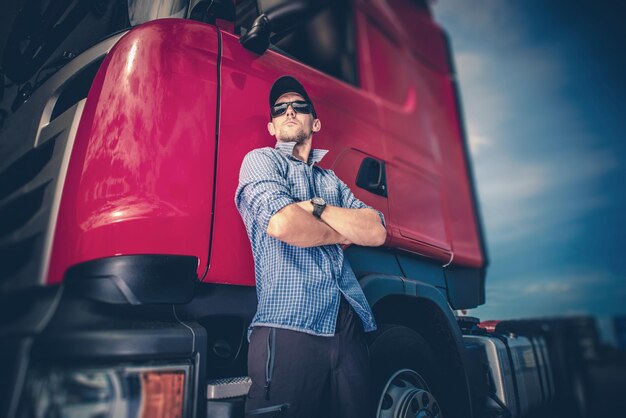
{"x": 411, "y": 123}
{"x": 323, "y": 56}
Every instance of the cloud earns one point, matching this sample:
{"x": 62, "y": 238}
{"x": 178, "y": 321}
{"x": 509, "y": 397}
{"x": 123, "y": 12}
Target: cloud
{"x": 547, "y": 288}
{"x": 540, "y": 166}
{"x": 477, "y": 143}
{"x": 485, "y": 105}
{"x": 516, "y": 117}
{"x": 494, "y": 19}
{"x": 522, "y": 198}
{"x": 575, "y": 289}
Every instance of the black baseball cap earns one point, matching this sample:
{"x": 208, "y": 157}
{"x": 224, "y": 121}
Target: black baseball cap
{"x": 289, "y": 84}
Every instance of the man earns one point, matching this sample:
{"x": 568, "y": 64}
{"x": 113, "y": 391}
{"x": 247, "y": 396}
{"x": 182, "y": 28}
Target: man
{"x": 307, "y": 346}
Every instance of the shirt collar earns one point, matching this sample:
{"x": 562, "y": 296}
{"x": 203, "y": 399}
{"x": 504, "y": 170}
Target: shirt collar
{"x": 286, "y": 148}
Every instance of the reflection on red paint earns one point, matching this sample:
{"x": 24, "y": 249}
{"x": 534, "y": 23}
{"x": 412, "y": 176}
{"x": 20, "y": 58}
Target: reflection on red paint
{"x": 142, "y": 166}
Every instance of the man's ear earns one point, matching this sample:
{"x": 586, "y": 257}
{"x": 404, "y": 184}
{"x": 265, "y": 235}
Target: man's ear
{"x": 317, "y": 125}
{"x": 270, "y": 128}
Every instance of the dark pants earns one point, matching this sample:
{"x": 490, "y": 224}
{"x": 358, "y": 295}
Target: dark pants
{"x": 316, "y": 376}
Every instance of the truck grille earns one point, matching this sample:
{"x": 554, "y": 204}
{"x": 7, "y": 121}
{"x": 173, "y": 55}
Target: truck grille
{"x": 21, "y": 210}
{"x": 35, "y": 147}
{"x": 29, "y": 200}
{"x": 17, "y": 212}
{"x": 15, "y": 256}
{"x": 25, "y": 169}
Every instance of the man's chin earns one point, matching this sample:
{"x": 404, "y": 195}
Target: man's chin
{"x": 297, "y": 139}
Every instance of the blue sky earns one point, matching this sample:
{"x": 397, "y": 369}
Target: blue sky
{"x": 543, "y": 94}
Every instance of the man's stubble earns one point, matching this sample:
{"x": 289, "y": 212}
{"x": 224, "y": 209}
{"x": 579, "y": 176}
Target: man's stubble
{"x": 299, "y": 137}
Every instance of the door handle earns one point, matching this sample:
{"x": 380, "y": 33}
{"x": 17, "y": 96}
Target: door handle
{"x": 372, "y": 176}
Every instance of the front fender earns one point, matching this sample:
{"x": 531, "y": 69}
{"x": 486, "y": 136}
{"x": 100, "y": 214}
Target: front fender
{"x": 141, "y": 173}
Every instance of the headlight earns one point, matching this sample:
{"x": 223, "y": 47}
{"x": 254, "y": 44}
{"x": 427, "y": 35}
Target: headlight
{"x": 115, "y": 392}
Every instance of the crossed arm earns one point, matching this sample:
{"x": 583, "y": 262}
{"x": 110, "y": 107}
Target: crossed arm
{"x": 296, "y": 225}
{"x": 263, "y": 190}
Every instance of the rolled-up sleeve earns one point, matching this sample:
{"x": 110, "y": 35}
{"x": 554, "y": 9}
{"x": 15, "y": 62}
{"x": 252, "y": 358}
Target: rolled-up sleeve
{"x": 262, "y": 189}
{"x": 348, "y": 200}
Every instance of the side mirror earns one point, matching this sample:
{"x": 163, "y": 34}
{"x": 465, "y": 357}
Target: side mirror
{"x": 258, "y": 37}
{"x": 279, "y": 20}
{"x": 207, "y": 11}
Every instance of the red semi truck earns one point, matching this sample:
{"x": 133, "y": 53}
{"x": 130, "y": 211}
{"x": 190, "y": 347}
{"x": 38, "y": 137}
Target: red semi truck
{"x": 127, "y": 281}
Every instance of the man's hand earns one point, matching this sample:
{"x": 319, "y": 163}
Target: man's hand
{"x": 293, "y": 225}
{"x": 358, "y": 226}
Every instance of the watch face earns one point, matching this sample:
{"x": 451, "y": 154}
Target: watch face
{"x": 318, "y": 201}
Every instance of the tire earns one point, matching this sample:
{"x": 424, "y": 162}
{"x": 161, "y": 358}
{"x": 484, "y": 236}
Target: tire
{"x": 404, "y": 374}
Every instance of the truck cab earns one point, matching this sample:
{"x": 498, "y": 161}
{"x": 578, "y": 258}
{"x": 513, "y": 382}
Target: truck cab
{"x": 128, "y": 282}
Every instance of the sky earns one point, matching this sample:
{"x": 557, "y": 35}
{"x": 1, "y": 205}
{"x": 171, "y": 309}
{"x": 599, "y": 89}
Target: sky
{"x": 543, "y": 90}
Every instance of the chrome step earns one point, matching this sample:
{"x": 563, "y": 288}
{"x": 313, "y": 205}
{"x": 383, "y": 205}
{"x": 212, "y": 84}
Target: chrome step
{"x": 229, "y": 387}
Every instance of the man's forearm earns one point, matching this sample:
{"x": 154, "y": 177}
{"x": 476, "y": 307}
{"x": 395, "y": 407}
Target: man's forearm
{"x": 293, "y": 225}
{"x": 359, "y": 226}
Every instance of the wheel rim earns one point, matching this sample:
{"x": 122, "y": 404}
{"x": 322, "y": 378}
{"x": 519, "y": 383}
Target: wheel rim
{"x": 405, "y": 395}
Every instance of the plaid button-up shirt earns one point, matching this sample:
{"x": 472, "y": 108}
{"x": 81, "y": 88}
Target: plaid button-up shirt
{"x": 297, "y": 288}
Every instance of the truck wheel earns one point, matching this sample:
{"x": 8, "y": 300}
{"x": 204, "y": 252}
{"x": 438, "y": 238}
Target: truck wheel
{"x": 404, "y": 374}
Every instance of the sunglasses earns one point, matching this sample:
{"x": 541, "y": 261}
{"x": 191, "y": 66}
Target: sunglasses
{"x": 298, "y": 106}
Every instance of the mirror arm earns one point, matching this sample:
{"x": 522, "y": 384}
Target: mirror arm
{"x": 279, "y": 20}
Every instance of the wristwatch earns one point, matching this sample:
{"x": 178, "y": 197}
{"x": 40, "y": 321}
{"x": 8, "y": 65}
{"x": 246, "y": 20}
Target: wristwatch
{"x": 319, "y": 205}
